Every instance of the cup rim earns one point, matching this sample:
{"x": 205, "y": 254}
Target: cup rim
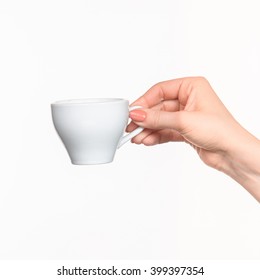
{"x": 86, "y": 101}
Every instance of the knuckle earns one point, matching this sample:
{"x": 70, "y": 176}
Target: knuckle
{"x": 156, "y": 119}
{"x": 200, "y": 80}
{"x": 158, "y": 88}
{"x": 150, "y": 141}
{"x": 157, "y": 85}
{"x": 197, "y": 80}
{"x": 181, "y": 120}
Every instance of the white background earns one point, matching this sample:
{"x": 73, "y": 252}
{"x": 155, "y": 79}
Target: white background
{"x": 157, "y": 202}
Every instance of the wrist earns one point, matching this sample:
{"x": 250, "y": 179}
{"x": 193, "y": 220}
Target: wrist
{"x": 242, "y": 162}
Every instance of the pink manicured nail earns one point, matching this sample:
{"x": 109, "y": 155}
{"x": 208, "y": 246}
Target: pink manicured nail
{"x": 137, "y": 115}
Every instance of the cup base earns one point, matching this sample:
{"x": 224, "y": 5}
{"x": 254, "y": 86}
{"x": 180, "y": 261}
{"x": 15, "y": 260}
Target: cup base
{"x": 91, "y": 162}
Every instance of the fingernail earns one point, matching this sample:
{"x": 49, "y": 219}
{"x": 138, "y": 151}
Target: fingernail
{"x": 137, "y": 115}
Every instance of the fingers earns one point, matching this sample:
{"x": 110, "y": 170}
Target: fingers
{"x": 131, "y": 126}
{"x": 169, "y": 105}
{"x": 169, "y": 109}
{"x": 167, "y": 90}
{"x": 150, "y": 137}
{"x": 162, "y": 136}
{"x": 177, "y": 89}
{"x": 138, "y": 139}
{"x": 156, "y": 120}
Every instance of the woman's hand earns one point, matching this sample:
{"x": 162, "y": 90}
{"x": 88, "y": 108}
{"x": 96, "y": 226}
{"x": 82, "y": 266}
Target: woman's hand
{"x": 188, "y": 109}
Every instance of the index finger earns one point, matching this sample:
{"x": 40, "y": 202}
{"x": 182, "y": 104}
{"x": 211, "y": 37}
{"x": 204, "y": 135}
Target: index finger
{"x": 167, "y": 90}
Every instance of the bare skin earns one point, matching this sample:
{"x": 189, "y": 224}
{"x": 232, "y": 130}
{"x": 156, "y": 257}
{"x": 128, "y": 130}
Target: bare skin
{"x": 188, "y": 109}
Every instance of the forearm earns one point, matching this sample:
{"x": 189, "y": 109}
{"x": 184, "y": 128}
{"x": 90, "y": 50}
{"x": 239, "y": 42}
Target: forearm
{"x": 242, "y": 163}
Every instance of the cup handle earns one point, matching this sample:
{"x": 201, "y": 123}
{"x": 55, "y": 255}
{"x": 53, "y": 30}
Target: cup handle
{"x": 132, "y": 134}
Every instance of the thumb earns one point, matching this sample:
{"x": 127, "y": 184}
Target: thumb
{"x": 155, "y": 119}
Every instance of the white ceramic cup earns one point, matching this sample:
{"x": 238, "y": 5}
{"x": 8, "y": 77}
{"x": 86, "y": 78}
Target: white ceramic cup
{"x": 92, "y": 129}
